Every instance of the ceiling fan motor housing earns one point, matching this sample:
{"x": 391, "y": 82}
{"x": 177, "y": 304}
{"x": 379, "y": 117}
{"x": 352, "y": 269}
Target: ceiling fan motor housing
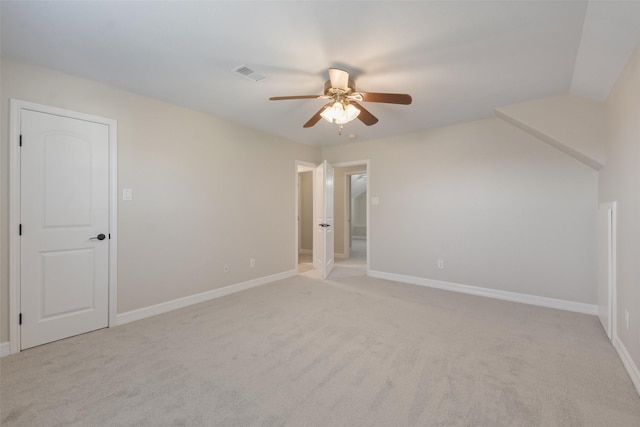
{"x": 329, "y": 90}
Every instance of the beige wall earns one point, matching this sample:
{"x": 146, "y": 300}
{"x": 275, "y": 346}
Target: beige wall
{"x": 206, "y": 191}
{"x": 340, "y": 179}
{"x": 306, "y": 210}
{"x": 571, "y": 123}
{"x": 620, "y": 181}
{"x": 503, "y": 209}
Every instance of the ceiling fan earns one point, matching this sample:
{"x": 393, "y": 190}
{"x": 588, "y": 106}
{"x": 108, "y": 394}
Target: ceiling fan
{"x": 344, "y": 101}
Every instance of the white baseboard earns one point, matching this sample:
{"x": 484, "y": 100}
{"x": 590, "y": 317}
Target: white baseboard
{"x": 305, "y": 251}
{"x": 143, "y": 313}
{"x": 578, "y": 307}
{"x": 340, "y": 256}
{"x": 627, "y": 361}
{"x": 5, "y": 348}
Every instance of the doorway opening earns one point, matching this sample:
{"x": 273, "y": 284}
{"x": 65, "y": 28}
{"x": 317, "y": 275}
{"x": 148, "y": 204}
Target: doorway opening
{"x": 305, "y": 219}
{"x": 351, "y": 218}
{"x": 304, "y": 216}
{"x": 356, "y": 219}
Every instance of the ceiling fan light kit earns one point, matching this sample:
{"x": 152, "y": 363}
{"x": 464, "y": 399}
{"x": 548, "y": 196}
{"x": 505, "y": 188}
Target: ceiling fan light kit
{"x": 344, "y": 107}
{"x": 339, "y": 113}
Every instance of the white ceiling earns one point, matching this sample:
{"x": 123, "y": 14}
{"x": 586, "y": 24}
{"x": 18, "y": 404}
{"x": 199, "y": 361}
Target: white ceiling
{"x": 459, "y": 60}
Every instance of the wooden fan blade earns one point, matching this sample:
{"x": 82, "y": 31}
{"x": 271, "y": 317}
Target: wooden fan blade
{"x": 339, "y": 78}
{"x": 388, "y": 98}
{"x": 365, "y": 116}
{"x": 282, "y": 98}
{"x": 315, "y": 118}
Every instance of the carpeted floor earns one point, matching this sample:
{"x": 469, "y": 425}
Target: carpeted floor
{"x": 350, "y": 351}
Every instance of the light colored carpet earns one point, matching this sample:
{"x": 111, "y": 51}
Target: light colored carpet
{"x": 305, "y": 263}
{"x": 304, "y": 266}
{"x": 353, "y": 351}
{"x": 358, "y": 250}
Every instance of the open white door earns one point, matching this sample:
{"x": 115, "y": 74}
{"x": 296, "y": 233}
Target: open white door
{"x": 606, "y": 265}
{"x": 323, "y": 215}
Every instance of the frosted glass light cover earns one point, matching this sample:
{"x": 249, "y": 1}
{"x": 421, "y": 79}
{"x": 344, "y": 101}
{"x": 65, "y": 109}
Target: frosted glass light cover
{"x": 338, "y": 114}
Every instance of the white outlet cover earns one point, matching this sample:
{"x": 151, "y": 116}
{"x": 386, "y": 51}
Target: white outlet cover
{"x": 375, "y": 201}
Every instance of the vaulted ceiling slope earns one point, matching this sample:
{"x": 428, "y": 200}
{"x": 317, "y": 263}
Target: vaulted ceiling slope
{"x": 459, "y": 60}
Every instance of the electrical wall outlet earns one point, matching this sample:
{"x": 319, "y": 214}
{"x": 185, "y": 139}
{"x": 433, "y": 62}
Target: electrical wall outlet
{"x": 252, "y": 263}
{"x": 441, "y": 264}
{"x": 226, "y": 268}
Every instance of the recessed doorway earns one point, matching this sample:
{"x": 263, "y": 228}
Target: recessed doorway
{"x": 305, "y": 219}
{"x": 357, "y": 219}
{"x": 304, "y": 216}
{"x": 351, "y": 218}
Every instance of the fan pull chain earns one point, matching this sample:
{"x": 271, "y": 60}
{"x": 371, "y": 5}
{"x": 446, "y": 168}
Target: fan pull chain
{"x": 340, "y": 130}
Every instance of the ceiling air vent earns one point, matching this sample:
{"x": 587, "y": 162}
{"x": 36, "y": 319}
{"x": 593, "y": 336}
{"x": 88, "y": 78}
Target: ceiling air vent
{"x": 248, "y": 73}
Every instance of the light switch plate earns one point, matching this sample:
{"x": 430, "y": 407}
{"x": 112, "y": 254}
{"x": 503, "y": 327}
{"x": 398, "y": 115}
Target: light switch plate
{"x": 375, "y": 201}
{"x": 127, "y": 194}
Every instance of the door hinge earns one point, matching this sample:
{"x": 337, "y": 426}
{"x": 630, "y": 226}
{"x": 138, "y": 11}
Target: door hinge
{"x": 20, "y": 140}
{"x": 20, "y": 319}
{"x": 20, "y": 230}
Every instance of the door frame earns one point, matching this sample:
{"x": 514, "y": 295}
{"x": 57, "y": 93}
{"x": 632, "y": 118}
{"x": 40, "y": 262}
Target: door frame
{"x": 16, "y": 107}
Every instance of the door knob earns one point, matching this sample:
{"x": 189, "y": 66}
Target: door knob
{"x": 99, "y": 237}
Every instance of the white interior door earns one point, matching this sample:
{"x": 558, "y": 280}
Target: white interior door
{"x": 323, "y": 214}
{"x": 64, "y": 216}
{"x": 606, "y": 265}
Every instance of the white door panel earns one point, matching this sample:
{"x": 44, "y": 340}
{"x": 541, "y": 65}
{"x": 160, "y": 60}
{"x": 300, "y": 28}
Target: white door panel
{"x": 65, "y": 289}
{"x": 328, "y": 219}
{"x": 69, "y": 184}
{"x": 323, "y": 240}
{"x": 318, "y": 232}
{"x": 64, "y": 204}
